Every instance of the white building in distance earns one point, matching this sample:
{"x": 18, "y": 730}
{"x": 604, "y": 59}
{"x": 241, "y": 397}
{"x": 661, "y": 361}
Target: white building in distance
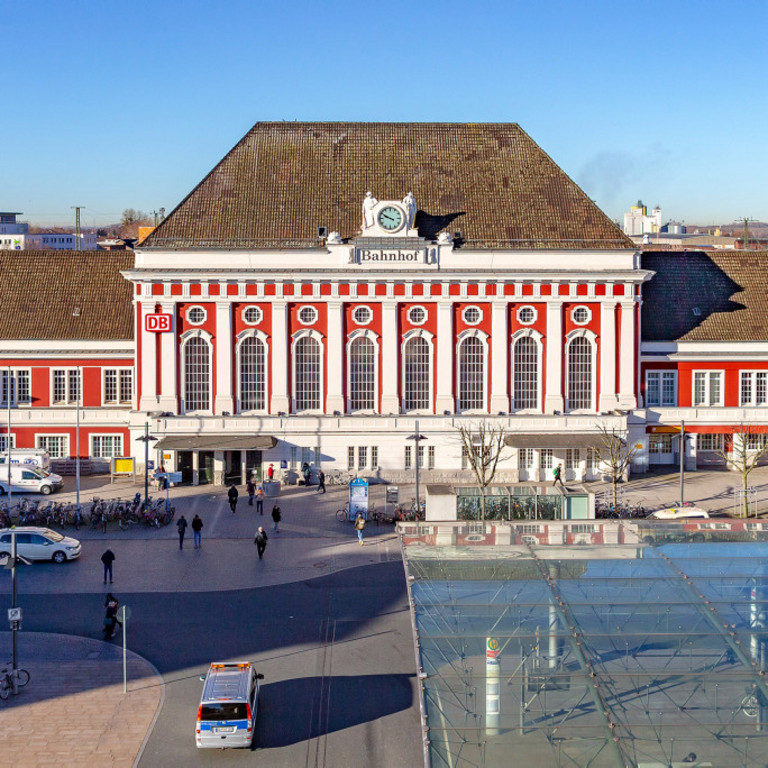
{"x": 638, "y": 222}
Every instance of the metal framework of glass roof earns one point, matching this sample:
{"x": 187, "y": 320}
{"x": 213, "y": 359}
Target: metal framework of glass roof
{"x": 591, "y": 643}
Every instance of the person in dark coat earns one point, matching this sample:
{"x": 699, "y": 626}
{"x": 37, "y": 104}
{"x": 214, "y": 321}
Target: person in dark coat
{"x": 108, "y": 558}
{"x": 111, "y": 603}
{"x": 276, "y": 516}
{"x": 321, "y": 481}
{"x": 232, "y": 494}
{"x": 181, "y": 525}
{"x": 197, "y": 528}
{"x": 260, "y": 540}
{"x": 250, "y": 487}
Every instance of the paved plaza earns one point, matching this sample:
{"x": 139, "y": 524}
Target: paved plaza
{"x": 327, "y": 619}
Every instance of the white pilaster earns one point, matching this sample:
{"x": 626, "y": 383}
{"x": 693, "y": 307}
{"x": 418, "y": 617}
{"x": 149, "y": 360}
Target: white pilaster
{"x": 224, "y": 353}
{"x": 499, "y": 358}
{"x": 627, "y": 352}
{"x": 553, "y": 393}
{"x": 444, "y": 358}
{"x": 608, "y": 399}
{"x": 280, "y": 358}
{"x": 169, "y": 350}
{"x": 335, "y": 357}
{"x": 149, "y": 341}
{"x": 390, "y": 400}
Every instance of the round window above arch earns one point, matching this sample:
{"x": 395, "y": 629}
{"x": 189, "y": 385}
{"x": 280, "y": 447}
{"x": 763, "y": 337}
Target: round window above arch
{"x": 417, "y": 315}
{"x": 196, "y": 315}
{"x": 252, "y": 315}
{"x": 527, "y": 315}
{"x": 472, "y": 315}
{"x": 362, "y": 315}
{"x": 581, "y": 315}
{"x": 307, "y": 315}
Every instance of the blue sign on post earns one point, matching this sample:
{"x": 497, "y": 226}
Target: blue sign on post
{"x": 358, "y": 498}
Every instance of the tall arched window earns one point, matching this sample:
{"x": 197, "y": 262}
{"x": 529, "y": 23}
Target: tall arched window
{"x": 362, "y": 374}
{"x": 471, "y": 361}
{"x": 417, "y": 374}
{"x": 580, "y": 378}
{"x": 308, "y": 372}
{"x": 253, "y": 374}
{"x": 197, "y": 375}
{"x": 525, "y": 373}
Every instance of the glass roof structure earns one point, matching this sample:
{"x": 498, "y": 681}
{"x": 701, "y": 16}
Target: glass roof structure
{"x": 591, "y": 643}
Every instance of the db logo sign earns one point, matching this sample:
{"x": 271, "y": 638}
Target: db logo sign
{"x": 158, "y": 323}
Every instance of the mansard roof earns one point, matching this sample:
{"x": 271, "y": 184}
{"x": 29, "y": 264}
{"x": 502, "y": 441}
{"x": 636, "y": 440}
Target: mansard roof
{"x": 57, "y": 295}
{"x": 490, "y": 182}
{"x": 705, "y": 296}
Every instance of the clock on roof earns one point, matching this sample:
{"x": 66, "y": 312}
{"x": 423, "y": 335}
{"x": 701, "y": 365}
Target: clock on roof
{"x": 391, "y": 218}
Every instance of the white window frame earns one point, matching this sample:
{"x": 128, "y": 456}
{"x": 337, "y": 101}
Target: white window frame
{"x": 479, "y": 316}
{"x": 472, "y": 333}
{"x": 710, "y": 441}
{"x": 315, "y": 314}
{"x": 40, "y": 436}
{"x": 69, "y": 400}
{"x": 410, "y": 312}
{"x": 118, "y": 371}
{"x": 360, "y": 308}
{"x": 15, "y": 401}
{"x": 197, "y": 333}
{"x": 241, "y": 339}
{"x": 527, "y": 333}
{"x": 752, "y": 377}
{"x": 374, "y": 457}
{"x": 430, "y": 339}
{"x": 111, "y": 436}
{"x": 189, "y": 311}
{"x": 363, "y": 333}
{"x": 591, "y": 338}
{"x": 525, "y": 459}
{"x": 350, "y": 458}
{"x": 660, "y": 374}
{"x": 308, "y": 333}
{"x": 4, "y": 439}
{"x": 430, "y": 457}
{"x": 362, "y": 456}
{"x": 587, "y": 309}
{"x": 259, "y": 314}
{"x": 520, "y": 311}
{"x": 546, "y": 458}
{"x": 708, "y": 377}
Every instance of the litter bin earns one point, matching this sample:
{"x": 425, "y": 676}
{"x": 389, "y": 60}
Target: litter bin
{"x": 271, "y": 490}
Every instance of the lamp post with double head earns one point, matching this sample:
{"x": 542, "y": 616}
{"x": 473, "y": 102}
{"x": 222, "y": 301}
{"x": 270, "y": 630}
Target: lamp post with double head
{"x": 417, "y": 438}
{"x": 146, "y": 438}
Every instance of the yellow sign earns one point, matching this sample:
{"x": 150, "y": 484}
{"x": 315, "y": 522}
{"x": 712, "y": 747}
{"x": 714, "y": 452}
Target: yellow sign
{"x": 122, "y": 465}
{"x": 665, "y": 430}
{"x": 493, "y": 644}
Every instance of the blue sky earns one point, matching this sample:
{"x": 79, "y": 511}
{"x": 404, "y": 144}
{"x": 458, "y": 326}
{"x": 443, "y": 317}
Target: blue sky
{"x": 115, "y": 105}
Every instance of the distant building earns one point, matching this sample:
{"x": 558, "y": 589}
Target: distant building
{"x": 15, "y": 236}
{"x": 638, "y": 222}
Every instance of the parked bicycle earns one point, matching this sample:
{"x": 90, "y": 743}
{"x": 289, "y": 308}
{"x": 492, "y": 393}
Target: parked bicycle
{"x": 6, "y": 680}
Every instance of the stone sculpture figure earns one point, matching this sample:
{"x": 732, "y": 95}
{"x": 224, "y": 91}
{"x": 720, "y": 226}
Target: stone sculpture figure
{"x": 369, "y": 203}
{"x": 409, "y": 203}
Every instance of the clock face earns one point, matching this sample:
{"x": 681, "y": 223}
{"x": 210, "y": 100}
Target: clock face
{"x": 390, "y": 218}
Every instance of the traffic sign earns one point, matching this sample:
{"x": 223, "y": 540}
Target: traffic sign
{"x": 14, "y": 614}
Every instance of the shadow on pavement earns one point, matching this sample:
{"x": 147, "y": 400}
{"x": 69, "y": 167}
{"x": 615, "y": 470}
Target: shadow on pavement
{"x": 315, "y": 706}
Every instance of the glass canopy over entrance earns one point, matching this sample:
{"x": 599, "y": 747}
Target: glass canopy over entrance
{"x": 604, "y": 643}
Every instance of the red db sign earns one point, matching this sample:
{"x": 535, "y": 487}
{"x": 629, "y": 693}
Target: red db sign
{"x": 157, "y": 323}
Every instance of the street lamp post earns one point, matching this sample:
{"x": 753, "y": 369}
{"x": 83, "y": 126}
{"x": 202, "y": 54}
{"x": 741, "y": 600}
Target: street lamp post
{"x": 417, "y": 437}
{"x": 146, "y": 438}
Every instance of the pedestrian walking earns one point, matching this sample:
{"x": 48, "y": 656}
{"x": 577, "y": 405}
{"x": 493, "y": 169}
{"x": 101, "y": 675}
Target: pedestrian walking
{"x": 111, "y": 603}
{"x": 260, "y": 540}
{"x": 271, "y": 473}
{"x": 359, "y": 527}
{"x": 162, "y": 480}
{"x": 306, "y": 473}
{"x": 250, "y": 487}
{"x": 321, "y": 481}
{"x": 232, "y": 494}
{"x": 197, "y": 531}
{"x": 276, "y": 517}
{"x": 557, "y": 473}
{"x": 181, "y": 525}
{"x": 108, "y": 558}
{"x": 260, "y": 499}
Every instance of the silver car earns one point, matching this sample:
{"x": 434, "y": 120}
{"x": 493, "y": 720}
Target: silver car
{"x": 39, "y": 544}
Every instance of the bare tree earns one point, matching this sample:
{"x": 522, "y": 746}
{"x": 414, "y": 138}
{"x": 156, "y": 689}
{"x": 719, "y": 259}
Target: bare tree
{"x": 745, "y": 455}
{"x": 484, "y": 445}
{"x": 131, "y": 216}
{"x": 614, "y": 454}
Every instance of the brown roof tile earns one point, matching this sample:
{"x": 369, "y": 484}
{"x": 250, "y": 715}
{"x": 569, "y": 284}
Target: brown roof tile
{"x": 706, "y": 296}
{"x": 40, "y": 290}
{"x": 489, "y": 181}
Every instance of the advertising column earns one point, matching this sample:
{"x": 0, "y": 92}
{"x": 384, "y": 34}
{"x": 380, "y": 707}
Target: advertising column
{"x": 492, "y": 687}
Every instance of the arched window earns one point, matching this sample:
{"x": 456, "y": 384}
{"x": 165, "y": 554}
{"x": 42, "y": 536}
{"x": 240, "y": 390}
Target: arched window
{"x": 197, "y": 375}
{"x": 525, "y": 374}
{"x": 471, "y": 360}
{"x": 308, "y": 374}
{"x": 580, "y": 375}
{"x": 362, "y": 374}
{"x": 253, "y": 374}
{"x": 417, "y": 374}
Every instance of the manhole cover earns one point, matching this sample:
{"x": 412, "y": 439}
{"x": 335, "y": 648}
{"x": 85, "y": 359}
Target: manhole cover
{"x": 320, "y": 565}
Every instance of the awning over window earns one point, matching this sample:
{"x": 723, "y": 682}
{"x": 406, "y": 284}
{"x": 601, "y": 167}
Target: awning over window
{"x": 555, "y": 440}
{"x": 232, "y": 442}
